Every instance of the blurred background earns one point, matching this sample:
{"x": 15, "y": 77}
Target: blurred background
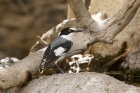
{"x": 22, "y": 20}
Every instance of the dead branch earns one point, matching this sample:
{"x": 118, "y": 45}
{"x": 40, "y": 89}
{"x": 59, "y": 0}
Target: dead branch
{"x": 22, "y": 72}
{"x": 82, "y": 16}
{"x": 70, "y": 13}
{"x": 42, "y": 42}
{"x": 118, "y": 22}
{"x": 94, "y": 31}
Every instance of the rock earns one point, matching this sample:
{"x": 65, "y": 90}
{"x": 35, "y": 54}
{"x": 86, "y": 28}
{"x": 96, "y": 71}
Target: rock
{"x": 132, "y": 60}
{"x": 88, "y": 82}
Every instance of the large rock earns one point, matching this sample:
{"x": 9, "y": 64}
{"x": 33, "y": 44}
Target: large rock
{"x": 88, "y": 82}
{"x": 132, "y": 60}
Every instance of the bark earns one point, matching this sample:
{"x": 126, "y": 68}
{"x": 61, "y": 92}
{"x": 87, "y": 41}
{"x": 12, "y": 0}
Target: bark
{"x": 21, "y": 72}
{"x": 82, "y": 16}
{"x": 94, "y": 31}
{"x": 70, "y": 14}
{"x": 125, "y": 42}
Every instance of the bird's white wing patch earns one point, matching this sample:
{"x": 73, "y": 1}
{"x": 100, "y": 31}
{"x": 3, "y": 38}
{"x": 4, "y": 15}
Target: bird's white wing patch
{"x": 59, "y": 51}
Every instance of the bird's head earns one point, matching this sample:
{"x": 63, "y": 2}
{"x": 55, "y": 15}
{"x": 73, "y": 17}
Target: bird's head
{"x": 68, "y": 31}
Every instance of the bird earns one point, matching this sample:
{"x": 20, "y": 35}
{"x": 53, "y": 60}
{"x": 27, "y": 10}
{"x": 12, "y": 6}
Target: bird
{"x": 58, "y": 48}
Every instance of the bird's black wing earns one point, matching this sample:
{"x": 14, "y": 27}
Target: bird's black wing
{"x": 57, "y": 48}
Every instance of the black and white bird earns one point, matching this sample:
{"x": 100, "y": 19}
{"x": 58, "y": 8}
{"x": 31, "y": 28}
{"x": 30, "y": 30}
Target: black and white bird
{"x": 58, "y": 47}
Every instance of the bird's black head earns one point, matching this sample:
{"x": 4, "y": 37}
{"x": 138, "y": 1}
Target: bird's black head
{"x": 68, "y": 30}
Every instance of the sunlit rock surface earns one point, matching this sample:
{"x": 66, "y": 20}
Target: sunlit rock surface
{"x": 87, "y": 82}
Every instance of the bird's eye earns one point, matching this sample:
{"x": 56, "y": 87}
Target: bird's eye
{"x": 69, "y": 30}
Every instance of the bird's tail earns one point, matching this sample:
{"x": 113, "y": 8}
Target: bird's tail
{"x": 41, "y": 69}
{"x": 44, "y": 65}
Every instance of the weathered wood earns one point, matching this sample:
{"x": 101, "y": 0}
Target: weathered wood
{"x": 82, "y": 16}
{"x": 21, "y": 72}
{"x": 94, "y": 31}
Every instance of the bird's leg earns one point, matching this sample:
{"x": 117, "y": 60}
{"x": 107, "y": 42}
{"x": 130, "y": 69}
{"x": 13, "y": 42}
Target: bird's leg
{"x": 59, "y": 67}
{"x": 52, "y": 66}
